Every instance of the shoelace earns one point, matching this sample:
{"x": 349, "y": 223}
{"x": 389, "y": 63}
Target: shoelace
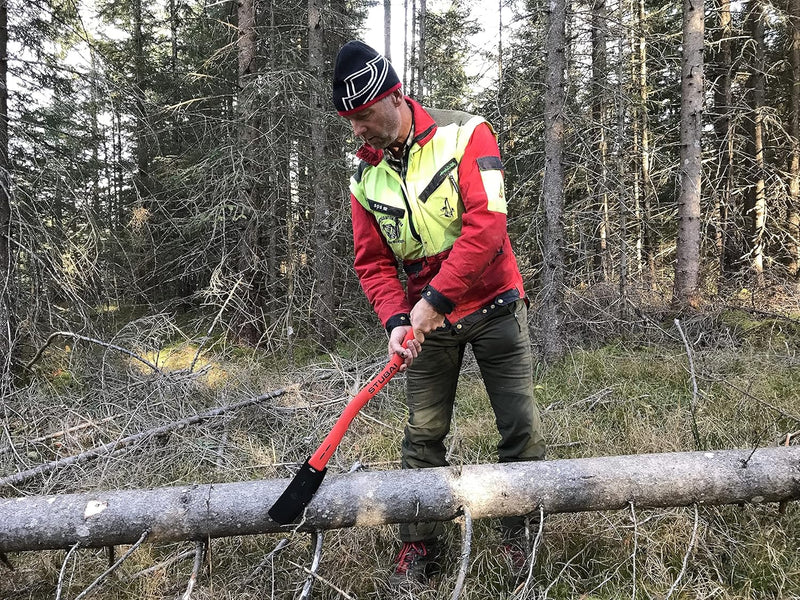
{"x": 408, "y": 553}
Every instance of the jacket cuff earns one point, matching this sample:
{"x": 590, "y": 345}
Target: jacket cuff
{"x": 439, "y": 301}
{"x": 403, "y": 319}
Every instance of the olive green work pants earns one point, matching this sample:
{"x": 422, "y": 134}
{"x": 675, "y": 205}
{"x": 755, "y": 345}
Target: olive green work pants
{"x": 501, "y": 345}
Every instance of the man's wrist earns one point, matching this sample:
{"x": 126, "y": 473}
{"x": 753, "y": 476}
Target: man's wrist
{"x": 441, "y": 303}
{"x": 398, "y": 320}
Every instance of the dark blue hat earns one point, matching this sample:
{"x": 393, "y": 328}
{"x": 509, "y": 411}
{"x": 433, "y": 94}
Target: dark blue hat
{"x": 361, "y": 78}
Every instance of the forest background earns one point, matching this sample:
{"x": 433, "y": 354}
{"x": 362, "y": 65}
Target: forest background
{"x": 173, "y": 194}
{"x": 186, "y": 156}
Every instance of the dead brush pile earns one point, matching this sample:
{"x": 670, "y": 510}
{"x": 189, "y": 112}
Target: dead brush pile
{"x": 726, "y": 379}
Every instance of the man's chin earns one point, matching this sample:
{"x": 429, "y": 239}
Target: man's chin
{"x": 378, "y": 143}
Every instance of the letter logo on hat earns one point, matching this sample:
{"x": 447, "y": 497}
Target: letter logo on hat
{"x": 361, "y": 77}
{"x": 364, "y": 84}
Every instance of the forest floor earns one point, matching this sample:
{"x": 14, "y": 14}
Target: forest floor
{"x": 628, "y": 391}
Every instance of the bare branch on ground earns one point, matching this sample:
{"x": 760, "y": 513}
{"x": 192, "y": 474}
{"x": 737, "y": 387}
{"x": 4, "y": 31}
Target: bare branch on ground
{"x": 84, "y": 338}
{"x": 686, "y": 556}
{"x": 112, "y": 568}
{"x": 123, "y": 443}
{"x": 318, "y": 537}
{"x": 199, "y": 553}
{"x": 466, "y": 548}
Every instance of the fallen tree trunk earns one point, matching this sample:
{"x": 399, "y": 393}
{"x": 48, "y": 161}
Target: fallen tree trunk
{"x": 196, "y": 512}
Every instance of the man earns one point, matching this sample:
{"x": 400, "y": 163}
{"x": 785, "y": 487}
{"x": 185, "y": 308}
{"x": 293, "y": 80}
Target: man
{"x": 428, "y": 194}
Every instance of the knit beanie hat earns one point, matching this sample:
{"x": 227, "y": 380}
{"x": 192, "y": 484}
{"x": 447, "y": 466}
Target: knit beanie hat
{"x": 361, "y": 78}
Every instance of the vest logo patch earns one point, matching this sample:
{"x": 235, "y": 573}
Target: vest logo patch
{"x": 390, "y": 226}
{"x": 447, "y": 210}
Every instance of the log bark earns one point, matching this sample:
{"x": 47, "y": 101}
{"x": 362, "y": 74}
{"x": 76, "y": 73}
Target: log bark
{"x": 196, "y": 512}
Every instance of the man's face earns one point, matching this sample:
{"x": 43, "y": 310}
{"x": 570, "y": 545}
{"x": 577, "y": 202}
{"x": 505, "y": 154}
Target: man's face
{"x": 378, "y": 125}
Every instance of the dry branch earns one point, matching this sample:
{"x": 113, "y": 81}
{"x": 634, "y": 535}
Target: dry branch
{"x": 63, "y": 432}
{"x": 162, "y": 565}
{"x": 113, "y": 567}
{"x": 63, "y": 570}
{"x": 321, "y": 579}
{"x": 319, "y": 539}
{"x": 193, "y": 512}
{"x": 199, "y": 553}
{"x": 686, "y": 556}
{"x": 695, "y": 392}
{"x": 84, "y": 338}
{"x": 111, "y": 447}
{"x": 466, "y": 548}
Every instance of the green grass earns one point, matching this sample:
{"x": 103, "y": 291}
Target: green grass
{"x": 624, "y": 397}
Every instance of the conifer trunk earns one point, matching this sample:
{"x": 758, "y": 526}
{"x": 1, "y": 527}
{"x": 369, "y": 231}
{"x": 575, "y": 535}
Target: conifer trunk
{"x": 794, "y": 131}
{"x": 323, "y": 206}
{"x": 723, "y": 155}
{"x": 647, "y": 234}
{"x": 599, "y": 184}
{"x": 552, "y": 277}
{"x": 423, "y": 12}
{"x": 7, "y": 326}
{"x": 248, "y": 328}
{"x": 687, "y": 265}
{"x": 755, "y": 206}
{"x": 387, "y": 29}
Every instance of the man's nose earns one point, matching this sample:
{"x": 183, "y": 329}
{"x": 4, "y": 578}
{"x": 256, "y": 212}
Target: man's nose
{"x": 358, "y": 128}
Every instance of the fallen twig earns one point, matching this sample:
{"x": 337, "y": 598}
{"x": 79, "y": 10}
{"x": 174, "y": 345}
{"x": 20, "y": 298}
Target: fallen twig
{"x": 318, "y": 537}
{"x": 64, "y": 569}
{"x": 162, "y": 565}
{"x": 466, "y": 547}
{"x": 112, "y": 568}
{"x": 685, "y": 556}
{"x": 537, "y": 541}
{"x": 321, "y": 579}
{"x": 566, "y": 566}
{"x": 598, "y": 397}
{"x": 763, "y": 313}
{"x": 110, "y": 447}
{"x": 61, "y": 433}
{"x": 761, "y": 401}
{"x": 635, "y": 543}
{"x": 199, "y": 553}
{"x": 84, "y": 338}
{"x": 267, "y": 559}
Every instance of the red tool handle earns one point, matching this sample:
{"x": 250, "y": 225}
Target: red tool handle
{"x": 323, "y": 454}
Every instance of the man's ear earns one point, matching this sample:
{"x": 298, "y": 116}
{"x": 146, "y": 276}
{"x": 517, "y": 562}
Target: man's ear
{"x": 397, "y": 98}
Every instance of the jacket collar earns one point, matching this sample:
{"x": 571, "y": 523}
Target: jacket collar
{"x": 424, "y": 130}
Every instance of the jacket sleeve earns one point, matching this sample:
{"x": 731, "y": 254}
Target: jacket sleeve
{"x": 483, "y": 227}
{"x": 376, "y": 267}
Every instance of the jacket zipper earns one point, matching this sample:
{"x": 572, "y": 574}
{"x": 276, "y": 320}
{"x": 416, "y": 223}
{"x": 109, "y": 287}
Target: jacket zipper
{"x": 414, "y": 232}
{"x": 455, "y": 185}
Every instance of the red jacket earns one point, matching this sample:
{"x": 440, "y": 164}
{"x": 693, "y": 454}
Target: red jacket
{"x": 463, "y": 279}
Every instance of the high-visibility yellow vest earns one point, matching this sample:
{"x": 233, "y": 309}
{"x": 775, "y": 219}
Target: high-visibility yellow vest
{"x": 421, "y": 215}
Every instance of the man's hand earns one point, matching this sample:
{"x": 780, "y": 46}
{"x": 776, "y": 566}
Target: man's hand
{"x": 424, "y": 319}
{"x": 409, "y": 352}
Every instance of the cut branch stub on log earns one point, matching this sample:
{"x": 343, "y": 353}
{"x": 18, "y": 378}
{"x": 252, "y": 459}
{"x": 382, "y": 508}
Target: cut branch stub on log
{"x": 195, "y": 512}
